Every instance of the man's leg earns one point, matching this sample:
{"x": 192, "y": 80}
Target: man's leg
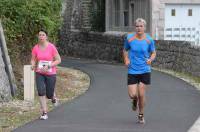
{"x": 142, "y": 101}
{"x": 141, "y": 97}
{"x": 132, "y": 90}
{"x": 133, "y": 94}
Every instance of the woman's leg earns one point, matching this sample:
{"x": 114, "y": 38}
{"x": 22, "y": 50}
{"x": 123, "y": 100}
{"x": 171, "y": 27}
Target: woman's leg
{"x": 50, "y": 86}
{"x": 40, "y": 82}
{"x": 43, "y": 104}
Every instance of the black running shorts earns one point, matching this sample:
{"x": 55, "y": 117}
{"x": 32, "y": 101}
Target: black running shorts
{"x": 137, "y": 78}
{"x": 45, "y": 85}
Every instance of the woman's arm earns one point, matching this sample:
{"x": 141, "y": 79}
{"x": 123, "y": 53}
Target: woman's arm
{"x": 57, "y": 60}
{"x": 33, "y": 62}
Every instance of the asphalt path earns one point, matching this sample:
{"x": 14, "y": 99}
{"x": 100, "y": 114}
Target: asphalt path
{"x": 172, "y": 104}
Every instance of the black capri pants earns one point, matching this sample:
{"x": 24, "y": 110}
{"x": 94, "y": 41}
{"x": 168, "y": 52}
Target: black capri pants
{"x": 45, "y": 85}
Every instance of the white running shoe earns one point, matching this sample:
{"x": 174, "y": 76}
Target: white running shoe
{"x": 55, "y": 102}
{"x": 44, "y": 116}
{"x": 141, "y": 119}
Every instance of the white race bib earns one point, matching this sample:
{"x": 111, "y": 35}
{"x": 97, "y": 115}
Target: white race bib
{"x": 42, "y": 64}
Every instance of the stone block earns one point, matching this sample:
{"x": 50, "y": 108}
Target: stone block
{"x": 29, "y": 83}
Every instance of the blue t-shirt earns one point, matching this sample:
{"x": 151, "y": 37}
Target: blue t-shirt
{"x": 139, "y": 50}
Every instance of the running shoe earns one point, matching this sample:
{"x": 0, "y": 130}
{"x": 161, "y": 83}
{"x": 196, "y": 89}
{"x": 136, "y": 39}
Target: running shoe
{"x": 55, "y": 102}
{"x": 141, "y": 119}
{"x": 44, "y": 116}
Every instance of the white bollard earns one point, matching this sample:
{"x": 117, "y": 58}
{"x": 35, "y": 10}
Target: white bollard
{"x": 29, "y": 83}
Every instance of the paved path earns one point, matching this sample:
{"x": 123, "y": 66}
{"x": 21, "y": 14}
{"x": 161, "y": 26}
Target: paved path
{"x": 172, "y": 105}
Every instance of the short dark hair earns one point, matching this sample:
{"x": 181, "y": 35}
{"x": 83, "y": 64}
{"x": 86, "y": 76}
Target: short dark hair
{"x": 43, "y": 30}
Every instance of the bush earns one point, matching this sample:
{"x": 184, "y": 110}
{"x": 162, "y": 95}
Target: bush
{"x": 21, "y": 20}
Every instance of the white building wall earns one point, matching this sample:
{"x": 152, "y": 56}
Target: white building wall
{"x": 155, "y": 9}
{"x": 181, "y": 18}
{"x": 158, "y": 14}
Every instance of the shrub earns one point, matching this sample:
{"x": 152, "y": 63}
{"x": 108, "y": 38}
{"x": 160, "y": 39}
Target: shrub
{"x": 21, "y": 20}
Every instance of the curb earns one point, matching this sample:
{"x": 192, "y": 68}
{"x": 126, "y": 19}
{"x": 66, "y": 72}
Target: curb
{"x": 195, "y": 127}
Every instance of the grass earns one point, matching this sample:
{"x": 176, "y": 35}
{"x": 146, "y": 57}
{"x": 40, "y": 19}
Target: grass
{"x": 70, "y": 84}
{"x": 194, "y": 81}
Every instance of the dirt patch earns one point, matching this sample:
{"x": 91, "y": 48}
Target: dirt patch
{"x": 70, "y": 84}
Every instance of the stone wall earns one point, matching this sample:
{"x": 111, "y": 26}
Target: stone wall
{"x": 76, "y": 14}
{"x": 174, "y": 55}
{"x": 179, "y": 56}
{"x": 86, "y": 4}
{"x": 73, "y": 19}
{"x": 100, "y": 46}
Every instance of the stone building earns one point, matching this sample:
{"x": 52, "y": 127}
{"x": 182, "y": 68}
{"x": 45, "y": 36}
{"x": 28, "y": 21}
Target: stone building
{"x": 181, "y": 16}
{"x": 76, "y": 41}
{"x": 76, "y": 14}
{"x": 166, "y": 19}
{"x": 121, "y": 14}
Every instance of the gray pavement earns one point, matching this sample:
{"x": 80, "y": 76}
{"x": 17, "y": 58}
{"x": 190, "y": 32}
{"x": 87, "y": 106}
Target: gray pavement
{"x": 172, "y": 104}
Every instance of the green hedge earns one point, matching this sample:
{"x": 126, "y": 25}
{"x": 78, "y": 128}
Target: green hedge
{"x": 21, "y": 20}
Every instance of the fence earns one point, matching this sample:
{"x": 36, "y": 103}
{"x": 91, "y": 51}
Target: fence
{"x": 191, "y": 34}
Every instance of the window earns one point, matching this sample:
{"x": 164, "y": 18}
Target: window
{"x": 173, "y": 12}
{"x": 189, "y": 12}
{"x": 126, "y": 12}
{"x": 117, "y": 12}
{"x": 95, "y": 5}
{"x": 132, "y": 14}
{"x": 126, "y": 19}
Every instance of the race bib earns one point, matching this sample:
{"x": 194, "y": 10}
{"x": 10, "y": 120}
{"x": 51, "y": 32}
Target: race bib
{"x": 42, "y": 64}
